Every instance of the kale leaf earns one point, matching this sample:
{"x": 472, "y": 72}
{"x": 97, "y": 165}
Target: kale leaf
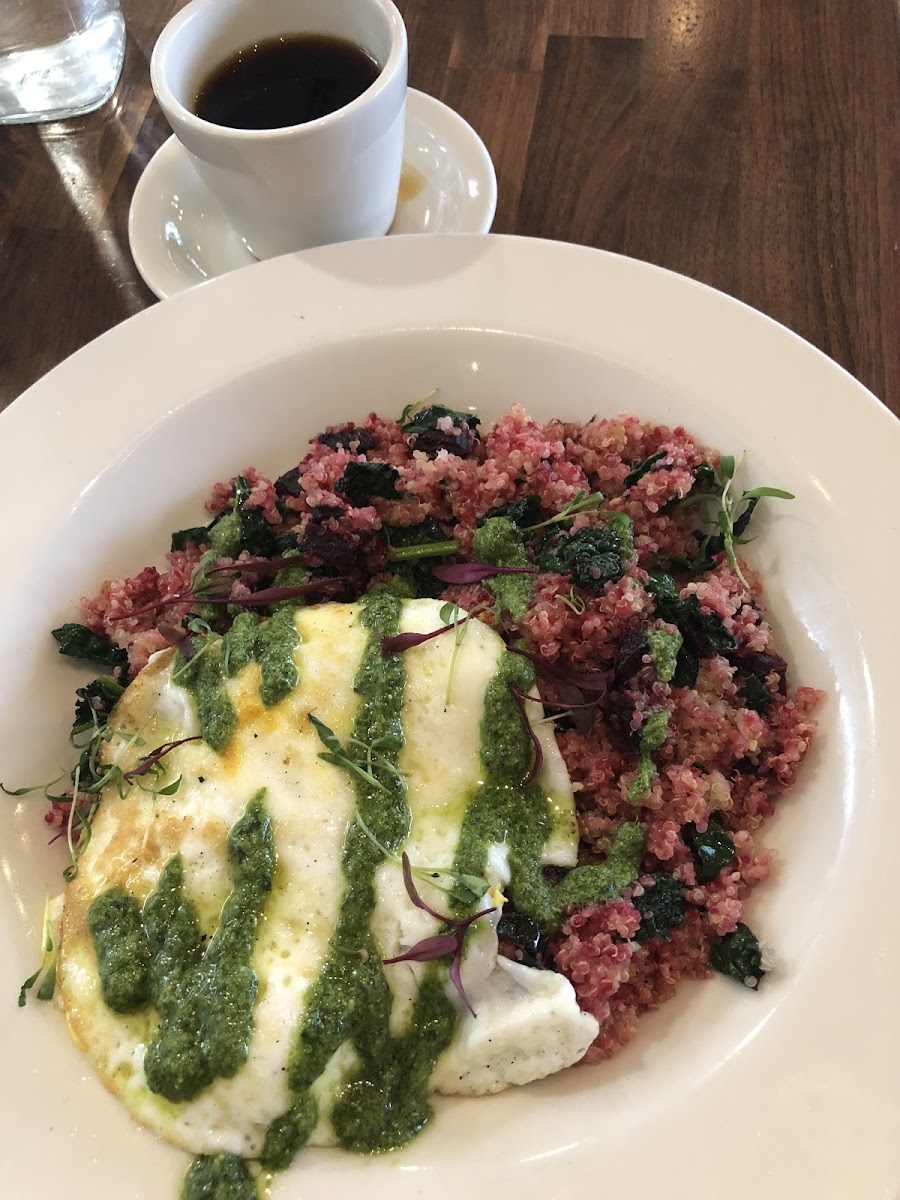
{"x": 361, "y": 481}
{"x": 416, "y": 578}
{"x": 77, "y": 641}
{"x": 594, "y": 556}
{"x": 754, "y": 693}
{"x": 738, "y": 954}
{"x": 428, "y": 437}
{"x": 530, "y": 937}
{"x": 257, "y": 537}
{"x": 661, "y": 907}
{"x": 687, "y": 668}
{"x": 95, "y": 702}
{"x": 523, "y": 512}
{"x": 640, "y": 469}
{"x": 427, "y": 418}
{"x": 712, "y": 849}
{"x": 704, "y": 634}
{"x": 198, "y": 534}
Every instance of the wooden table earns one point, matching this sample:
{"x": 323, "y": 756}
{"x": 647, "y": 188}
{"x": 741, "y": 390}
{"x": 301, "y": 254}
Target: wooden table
{"x": 751, "y": 144}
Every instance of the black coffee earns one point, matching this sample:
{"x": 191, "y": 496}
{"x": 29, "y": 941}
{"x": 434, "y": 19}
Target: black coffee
{"x": 285, "y": 81}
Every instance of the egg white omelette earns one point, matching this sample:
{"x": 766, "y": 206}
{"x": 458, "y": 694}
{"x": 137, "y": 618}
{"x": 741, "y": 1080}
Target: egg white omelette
{"x": 222, "y": 948}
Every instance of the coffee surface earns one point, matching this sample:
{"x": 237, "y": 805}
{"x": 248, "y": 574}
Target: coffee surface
{"x": 284, "y": 81}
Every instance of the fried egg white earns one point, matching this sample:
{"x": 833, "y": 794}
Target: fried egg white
{"x": 528, "y": 1022}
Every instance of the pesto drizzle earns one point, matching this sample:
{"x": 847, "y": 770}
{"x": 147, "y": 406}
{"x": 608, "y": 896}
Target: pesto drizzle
{"x": 503, "y": 811}
{"x": 383, "y": 1103}
{"x": 271, "y": 643}
{"x": 205, "y": 999}
{"x": 218, "y": 1177}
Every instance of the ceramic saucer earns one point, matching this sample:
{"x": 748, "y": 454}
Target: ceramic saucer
{"x": 179, "y": 236}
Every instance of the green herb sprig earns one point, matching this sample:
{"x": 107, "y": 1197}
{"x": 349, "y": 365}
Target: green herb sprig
{"x": 728, "y": 514}
{"x": 338, "y": 755}
{"x": 581, "y": 502}
{"x": 48, "y": 964}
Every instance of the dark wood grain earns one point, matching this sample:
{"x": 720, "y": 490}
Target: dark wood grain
{"x": 751, "y": 144}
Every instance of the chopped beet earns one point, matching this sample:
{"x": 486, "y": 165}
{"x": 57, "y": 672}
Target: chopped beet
{"x": 331, "y": 549}
{"x": 630, "y": 651}
{"x": 618, "y": 709}
{"x": 349, "y": 437}
{"x": 760, "y": 664}
{"x": 289, "y": 484}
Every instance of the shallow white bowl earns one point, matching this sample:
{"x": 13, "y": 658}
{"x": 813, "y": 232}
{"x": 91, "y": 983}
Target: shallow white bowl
{"x": 791, "y": 1092}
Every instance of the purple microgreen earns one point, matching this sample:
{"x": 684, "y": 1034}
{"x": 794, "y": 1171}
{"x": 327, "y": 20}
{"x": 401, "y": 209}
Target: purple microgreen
{"x": 538, "y": 760}
{"x": 472, "y": 572}
{"x": 258, "y": 566}
{"x": 442, "y": 944}
{"x": 148, "y": 763}
{"x": 406, "y": 641}
{"x": 429, "y": 949}
{"x": 413, "y": 894}
{"x": 587, "y": 681}
{"x": 178, "y": 637}
{"x": 456, "y": 977}
{"x": 260, "y": 599}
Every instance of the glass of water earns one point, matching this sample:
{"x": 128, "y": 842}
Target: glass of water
{"x": 58, "y": 58}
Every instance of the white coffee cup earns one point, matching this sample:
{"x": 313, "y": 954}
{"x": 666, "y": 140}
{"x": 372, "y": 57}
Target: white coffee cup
{"x": 328, "y": 180}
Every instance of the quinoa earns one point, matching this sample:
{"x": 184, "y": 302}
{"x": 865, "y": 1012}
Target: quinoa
{"x": 722, "y": 758}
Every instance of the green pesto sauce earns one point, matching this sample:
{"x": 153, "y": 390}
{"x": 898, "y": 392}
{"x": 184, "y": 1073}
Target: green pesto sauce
{"x": 205, "y": 999}
{"x": 275, "y": 646}
{"x": 382, "y": 1103}
{"x": 503, "y": 811}
{"x": 239, "y": 643}
{"x": 203, "y": 678}
{"x": 653, "y": 734}
{"x": 291, "y": 576}
{"x": 271, "y": 643}
{"x": 219, "y": 1177}
{"x": 664, "y": 645}
{"x": 500, "y": 543}
{"x": 289, "y": 1133}
{"x": 123, "y": 958}
{"x": 205, "y": 1033}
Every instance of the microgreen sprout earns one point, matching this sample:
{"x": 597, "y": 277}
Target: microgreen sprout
{"x": 574, "y": 602}
{"x": 460, "y": 887}
{"x": 538, "y": 757}
{"x": 260, "y": 599}
{"x": 728, "y": 514}
{"x": 463, "y": 573}
{"x": 337, "y": 754}
{"x": 449, "y": 614}
{"x": 48, "y": 963}
{"x": 406, "y": 641}
{"x": 440, "y": 945}
{"x": 415, "y": 405}
{"x": 426, "y": 550}
{"x": 91, "y": 775}
{"x": 581, "y": 502}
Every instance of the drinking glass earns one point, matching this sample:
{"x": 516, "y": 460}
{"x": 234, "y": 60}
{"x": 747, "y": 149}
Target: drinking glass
{"x": 58, "y": 58}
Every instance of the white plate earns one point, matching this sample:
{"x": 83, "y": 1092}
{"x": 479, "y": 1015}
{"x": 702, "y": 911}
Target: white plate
{"x": 789, "y": 1093}
{"x": 179, "y": 236}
